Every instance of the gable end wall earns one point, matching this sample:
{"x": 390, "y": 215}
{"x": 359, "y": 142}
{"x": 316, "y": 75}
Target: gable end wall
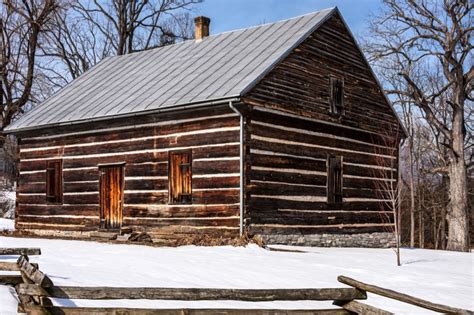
{"x": 291, "y": 133}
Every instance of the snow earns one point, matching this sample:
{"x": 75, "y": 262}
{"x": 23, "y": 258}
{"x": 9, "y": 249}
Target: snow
{"x": 7, "y": 224}
{"x": 439, "y": 276}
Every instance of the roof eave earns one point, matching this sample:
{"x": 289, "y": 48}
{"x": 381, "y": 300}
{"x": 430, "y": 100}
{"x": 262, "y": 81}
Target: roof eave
{"x": 177, "y": 107}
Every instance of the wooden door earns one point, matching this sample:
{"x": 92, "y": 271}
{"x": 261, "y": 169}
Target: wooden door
{"x": 179, "y": 177}
{"x": 111, "y": 196}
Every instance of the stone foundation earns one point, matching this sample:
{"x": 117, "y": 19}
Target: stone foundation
{"x": 375, "y": 240}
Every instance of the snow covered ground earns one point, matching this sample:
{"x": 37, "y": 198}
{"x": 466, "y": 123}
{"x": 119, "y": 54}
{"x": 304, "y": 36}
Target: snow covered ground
{"x": 7, "y": 224}
{"x": 442, "y": 277}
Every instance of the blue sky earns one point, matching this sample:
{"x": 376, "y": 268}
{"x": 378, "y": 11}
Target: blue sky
{"x": 228, "y": 15}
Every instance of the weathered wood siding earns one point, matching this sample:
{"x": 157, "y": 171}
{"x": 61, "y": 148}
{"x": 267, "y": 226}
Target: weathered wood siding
{"x": 290, "y": 133}
{"x": 212, "y": 135}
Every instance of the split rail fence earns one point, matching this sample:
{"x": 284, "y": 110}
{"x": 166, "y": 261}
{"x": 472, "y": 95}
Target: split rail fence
{"x": 35, "y": 291}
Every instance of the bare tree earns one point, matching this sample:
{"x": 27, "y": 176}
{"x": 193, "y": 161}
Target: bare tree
{"x": 413, "y": 39}
{"x": 21, "y": 26}
{"x": 388, "y": 183}
{"x": 86, "y": 32}
{"x": 138, "y": 25}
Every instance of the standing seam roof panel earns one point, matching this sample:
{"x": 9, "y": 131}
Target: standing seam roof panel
{"x": 86, "y": 93}
{"x": 32, "y": 116}
{"x": 214, "y": 68}
{"x": 120, "y": 77}
{"x": 262, "y": 50}
{"x": 177, "y": 68}
{"x": 159, "y": 96}
{"x": 132, "y": 79}
{"x": 136, "y": 80}
{"x": 150, "y": 79}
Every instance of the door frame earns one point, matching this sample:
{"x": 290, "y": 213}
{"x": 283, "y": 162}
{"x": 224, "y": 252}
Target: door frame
{"x": 121, "y": 165}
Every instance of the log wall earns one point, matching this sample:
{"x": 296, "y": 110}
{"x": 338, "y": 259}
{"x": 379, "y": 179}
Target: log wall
{"x": 291, "y": 132}
{"x": 212, "y": 135}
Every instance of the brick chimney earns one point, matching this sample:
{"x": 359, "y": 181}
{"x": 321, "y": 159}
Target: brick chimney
{"x": 201, "y": 27}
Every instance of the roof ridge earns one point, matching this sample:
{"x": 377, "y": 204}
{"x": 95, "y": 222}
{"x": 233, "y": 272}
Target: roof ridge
{"x": 150, "y": 50}
{"x": 275, "y": 22}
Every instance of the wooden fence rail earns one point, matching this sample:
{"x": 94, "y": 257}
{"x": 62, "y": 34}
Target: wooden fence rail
{"x": 13, "y": 266}
{"x": 184, "y": 294}
{"x": 20, "y": 251}
{"x": 401, "y": 297}
{"x": 35, "y": 291}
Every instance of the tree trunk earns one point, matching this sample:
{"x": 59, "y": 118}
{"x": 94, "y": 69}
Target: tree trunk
{"x": 442, "y": 228}
{"x": 412, "y": 194}
{"x": 435, "y": 229}
{"x": 421, "y": 229}
{"x": 457, "y": 215}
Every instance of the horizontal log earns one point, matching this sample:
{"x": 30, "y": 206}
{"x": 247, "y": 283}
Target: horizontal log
{"x": 226, "y": 150}
{"x": 76, "y": 199}
{"x": 402, "y": 297}
{"x": 181, "y": 232}
{"x": 231, "y": 181}
{"x": 10, "y": 279}
{"x": 277, "y": 189}
{"x": 55, "y": 227}
{"x": 280, "y": 118}
{"x": 82, "y": 210}
{"x": 299, "y": 148}
{"x": 362, "y": 183}
{"x": 159, "y": 222}
{"x": 20, "y": 251}
{"x": 171, "y": 128}
{"x": 287, "y": 177}
{"x": 74, "y": 175}
{"x": 198, "y": 294}
{"x": 9, "y": 266}
{"x": 273, "y": 203}
{"x": 361, "y": 308}
{"x": 176, "y": 211}
{"x": 71, "y": 219}
{"x": 146, "y": 184}
{"x": 200, "y": 311}
{"x": 32, "y": 187}
{"x": 365, "y": 193}
{"x": 298, "y": 134}
{"x": 198, "y": 139}
{"x": 199, "y": 197}
{"x": 33, "y": 273}
{"x": 281, "y": 161}
{"x": 31, "y": 289}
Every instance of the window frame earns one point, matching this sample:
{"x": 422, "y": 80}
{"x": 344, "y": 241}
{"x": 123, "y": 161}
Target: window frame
{"x": 57, "y": 169}
{"x": 171, "y": 199}
{"x": 336, "y": 101}
{"x": 334, "y": 183}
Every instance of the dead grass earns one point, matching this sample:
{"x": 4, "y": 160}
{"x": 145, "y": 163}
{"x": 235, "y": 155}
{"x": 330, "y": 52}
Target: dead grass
{"x": 177, "y": 240}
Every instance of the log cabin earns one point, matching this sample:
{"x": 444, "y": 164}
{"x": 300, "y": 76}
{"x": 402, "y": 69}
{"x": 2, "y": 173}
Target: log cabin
{"x": 280, "y": 130}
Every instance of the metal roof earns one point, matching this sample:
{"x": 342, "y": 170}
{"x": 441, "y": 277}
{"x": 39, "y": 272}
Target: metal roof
{"x": 218, "y": 67}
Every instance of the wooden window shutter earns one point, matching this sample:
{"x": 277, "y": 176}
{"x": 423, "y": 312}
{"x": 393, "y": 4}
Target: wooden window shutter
{"x": 54, "y": 181}
{"x": 180, "y": 177}
{"x": 334, "y": 180}
{"x": 336, "y": 99}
